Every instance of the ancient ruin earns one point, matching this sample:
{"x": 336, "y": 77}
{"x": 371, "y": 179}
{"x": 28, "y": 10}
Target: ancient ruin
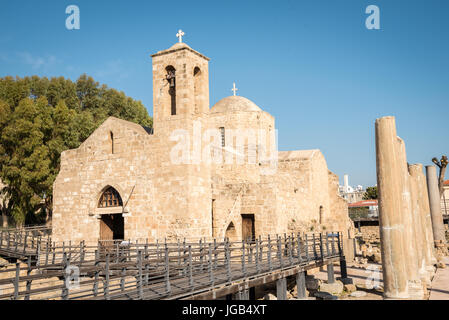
{"x": 409, "y": 228}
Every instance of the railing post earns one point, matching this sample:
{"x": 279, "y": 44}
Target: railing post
{"x": 256, "y": 257}
{"x": 81, "y": 252}
{"x": 38, "y": 254}
{"x": 16, "y": 242}
{"x": 330, "y": 273}
{"x": 250, "y": 251}
{"x": 147, "y": 266}
{"x": 321, "y": 246}
{"x": 25, "y": 242}
{"x": 184, "y": 253}
{"x": 201, "y": 254}
{"x": 298, "y": 239}
{"x": 340, "y": 251}
{"x": 333, "y": 243}
{"x": 270, "y": 264}
{"x": 243, "y": 258}
{"x": 16, "y": 281}
{"x": 53, "y": 258}
{"x": 139, "y": 274}
{"x": 210, "y": 266}
{"x": 315, "y": 254}
{"x": 8, "y": 241}
{"x": 28, "y": 285}
{"x": 215, "y": 254}
{"x": 306, "y": 246}
{"x": 190, "y": 268}
{"x": 122, "y": 279}
{"x": 97, "y": 272}
{"x": 179, "y": 253}
{"x": 290, "y": 250}
{"x": 167, "y": 270}
{"x": 228, "y": 260}
{"x": 106, "y": 281}
{"x": 279, "y": 253}
{"x": 65, "y": 289}
{"x": 46, "y": 253}
{"x": 343, "y": 269}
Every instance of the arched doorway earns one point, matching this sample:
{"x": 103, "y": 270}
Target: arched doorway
{"x": 112, "y": 226}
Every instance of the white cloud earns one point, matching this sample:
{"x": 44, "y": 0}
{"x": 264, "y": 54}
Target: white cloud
{"x": 37, "y": 62}
{"x": 114, "y": 69}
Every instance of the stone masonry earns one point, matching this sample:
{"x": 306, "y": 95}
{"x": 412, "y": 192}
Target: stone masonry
{"x": 167, "y": 183}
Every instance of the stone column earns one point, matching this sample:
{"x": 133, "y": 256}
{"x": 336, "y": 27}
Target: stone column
{"x": 419, "y": 224}
{"x": 410, "y": 245}
{"x": 390, "y": 207}
{"x": 425, "y": 213}
{"x": 435, "y": 208}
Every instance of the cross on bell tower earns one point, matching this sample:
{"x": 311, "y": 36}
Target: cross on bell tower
{"x": 180, "y": 34}
{"x": 234, "y": 89}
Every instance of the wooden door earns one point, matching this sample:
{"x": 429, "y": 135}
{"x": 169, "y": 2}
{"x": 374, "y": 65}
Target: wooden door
{"x": 248, "y": 231}
{"x": 106, "y": 227}
{"x": 112, "y": 227}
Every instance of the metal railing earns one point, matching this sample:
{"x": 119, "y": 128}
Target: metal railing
{"x": 143, "y": 270}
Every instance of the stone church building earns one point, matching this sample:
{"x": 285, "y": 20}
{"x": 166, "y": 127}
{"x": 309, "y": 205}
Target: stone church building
{"x": 129, "y": 182}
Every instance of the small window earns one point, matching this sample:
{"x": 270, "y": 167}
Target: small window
{"x": 222, "y": 133}
{"x": 112, "y": 142}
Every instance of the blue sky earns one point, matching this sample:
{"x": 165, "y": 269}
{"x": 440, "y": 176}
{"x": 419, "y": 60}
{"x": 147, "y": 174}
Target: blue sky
{"x": 312, "y": 64}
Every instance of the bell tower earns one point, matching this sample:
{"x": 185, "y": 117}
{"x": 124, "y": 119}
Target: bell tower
{"x": 180, "y": 119}
{"x": 180, "y": 83}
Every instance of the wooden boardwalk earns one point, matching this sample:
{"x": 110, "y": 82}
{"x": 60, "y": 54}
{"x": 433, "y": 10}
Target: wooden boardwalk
{"x": 181, "y": 270}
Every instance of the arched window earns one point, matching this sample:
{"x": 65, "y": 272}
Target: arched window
{"x": 196, "y": 88}
{"x": 171, "y": 78}
{"x": 110, "y": 198}
{"x": 231, "y": 233}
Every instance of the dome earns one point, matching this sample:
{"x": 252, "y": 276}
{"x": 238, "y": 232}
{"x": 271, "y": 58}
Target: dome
{"x": 233, "y": 104}
{"x": 179, "y": 45}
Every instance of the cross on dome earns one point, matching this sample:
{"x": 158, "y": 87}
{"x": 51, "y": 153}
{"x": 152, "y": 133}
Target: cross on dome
{"x": 180, "y": 34}
{"x": 234, "y": 89}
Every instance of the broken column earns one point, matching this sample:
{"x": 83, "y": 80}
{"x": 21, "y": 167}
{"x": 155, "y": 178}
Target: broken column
{"x": 435, "y": 209}
{"x": 419, "y": 224}
{"x": 425, "y": 213}
{"x": 410, "y": 244}
{"x": 390, "y": 207}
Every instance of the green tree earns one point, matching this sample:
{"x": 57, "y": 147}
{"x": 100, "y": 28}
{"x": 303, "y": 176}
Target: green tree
{"x": 370, "y": 193}
{"x": 40, "y": 118}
